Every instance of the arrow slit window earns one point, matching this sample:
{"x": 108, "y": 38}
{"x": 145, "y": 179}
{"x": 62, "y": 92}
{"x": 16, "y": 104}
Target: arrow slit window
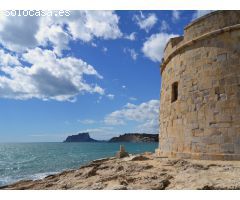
{"x": 174, "y": 92}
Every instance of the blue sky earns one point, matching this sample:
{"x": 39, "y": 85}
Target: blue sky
{"x": 95, "y": 71}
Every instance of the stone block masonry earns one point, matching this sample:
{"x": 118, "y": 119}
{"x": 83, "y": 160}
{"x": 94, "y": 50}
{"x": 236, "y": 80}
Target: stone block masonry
{"x": 200, "y": 94}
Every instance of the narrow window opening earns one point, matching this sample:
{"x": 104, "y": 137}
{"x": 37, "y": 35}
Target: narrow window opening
{"x": 174, "y": 92}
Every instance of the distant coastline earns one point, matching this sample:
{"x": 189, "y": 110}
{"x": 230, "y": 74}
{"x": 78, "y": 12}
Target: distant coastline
{"x": 127, "y": 137}
{"x": 135, "y": 137}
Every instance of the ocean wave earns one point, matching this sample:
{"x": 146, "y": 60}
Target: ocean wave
{"x": 41, "y": 175}
{"x": 9, "y": 179}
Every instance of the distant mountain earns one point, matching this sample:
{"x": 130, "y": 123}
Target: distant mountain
{"x": 81, "y": 137}
{"x": 135, "y": 137}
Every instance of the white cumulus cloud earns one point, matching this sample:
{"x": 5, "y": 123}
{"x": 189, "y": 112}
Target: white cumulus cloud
{"x": 18, "y": 33}
{"x": 22, "y": 33}
{"x": 6, "y": 59}
{"x": 146, "y": 114}
{"x": 32, "y": 63}
{"x": 55, "y": 35}
{"x": 145, "y": 22}
{"x": 86, "y": 25}
{"x": 153, "y": 48}
{"x": 48, "y": 77}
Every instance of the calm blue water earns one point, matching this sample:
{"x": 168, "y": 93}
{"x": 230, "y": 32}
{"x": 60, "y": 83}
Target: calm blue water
{"x": 37, "y": 160}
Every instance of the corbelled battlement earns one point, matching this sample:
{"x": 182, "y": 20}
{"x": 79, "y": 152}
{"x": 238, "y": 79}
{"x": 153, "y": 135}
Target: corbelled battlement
{"x": 206, "y": 26}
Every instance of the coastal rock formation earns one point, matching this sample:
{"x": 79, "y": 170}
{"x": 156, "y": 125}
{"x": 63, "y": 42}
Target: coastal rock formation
{"x": 122, "y": 152}
{"x": 200, "y": 107}
{"x": 81, "y": 137}
{"x": 135, "y": 137}
{"x": 144, "y": 171}
{"x": 128, "y": 137}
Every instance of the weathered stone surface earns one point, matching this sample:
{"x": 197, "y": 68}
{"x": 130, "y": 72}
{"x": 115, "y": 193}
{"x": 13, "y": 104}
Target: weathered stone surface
{"x": 140, "y": 158}
{"x": 205, "y": 63}
{"x": 152, "y": 174}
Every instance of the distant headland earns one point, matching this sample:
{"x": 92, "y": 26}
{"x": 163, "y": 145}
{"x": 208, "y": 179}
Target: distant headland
{"x": 81, "y": 137}
{"x": 127, "y": 137}
{"x": 135, "y": 137}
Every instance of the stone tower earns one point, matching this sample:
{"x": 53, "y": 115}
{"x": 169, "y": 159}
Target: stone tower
{"x": 200, "y": 94}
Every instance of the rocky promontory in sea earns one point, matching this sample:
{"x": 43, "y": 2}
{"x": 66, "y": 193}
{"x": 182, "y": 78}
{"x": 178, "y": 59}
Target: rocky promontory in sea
{"x": 81, "y": 137}
{"x": 127, "y": 137}
{"x": 135, "y": 137}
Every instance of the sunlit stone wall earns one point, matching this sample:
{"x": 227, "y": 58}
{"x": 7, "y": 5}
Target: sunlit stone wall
{"x": 200, "y": 115}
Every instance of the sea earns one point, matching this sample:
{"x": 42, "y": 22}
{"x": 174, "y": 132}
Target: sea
{"x": 32, "y": 161}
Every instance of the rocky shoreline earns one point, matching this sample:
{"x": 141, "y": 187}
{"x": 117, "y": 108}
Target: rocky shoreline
{"x": 140, "y": 172}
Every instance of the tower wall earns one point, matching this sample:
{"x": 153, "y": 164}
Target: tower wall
{"x": 201, "y": 120}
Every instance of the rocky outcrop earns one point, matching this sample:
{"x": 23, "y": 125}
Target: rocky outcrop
{"x": 122, "y": 152}
{"x": 135, "y": 137}
{"x": 144, "y": 171}
{"x": 81, "y": 137}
